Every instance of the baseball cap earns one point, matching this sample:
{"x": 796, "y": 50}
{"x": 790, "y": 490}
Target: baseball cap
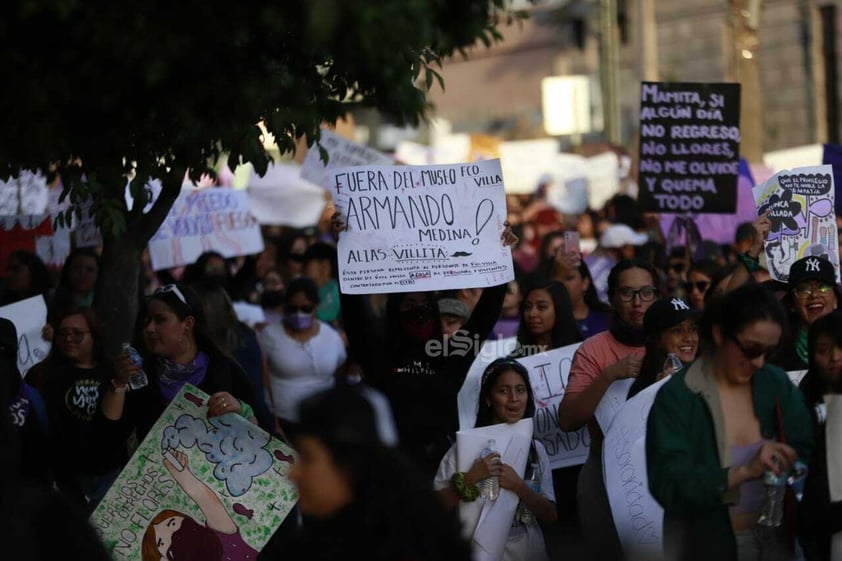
{"x": 453, "y": 307}
{"x": 666, "y": 313}
{"x": 811, "y": 268}
{"x": 619, "y": 235}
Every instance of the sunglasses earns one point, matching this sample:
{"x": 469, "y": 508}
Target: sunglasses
{"x": 171, "y": 288}
{"x": 299, "y": 309}
{"x": 806, "y": 290}
{"x": 73, "y": 335}
{"x": 700, "y": 286}
{"x": 755, "y": 351}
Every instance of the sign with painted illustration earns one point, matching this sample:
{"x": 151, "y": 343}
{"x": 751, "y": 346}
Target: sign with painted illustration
{"x": 689, "y": 147}
{"x": 548, "y": 373}
{"x": 800, "y": 206}
{"x": 213, "y": 489}
{"x": 341, "y": 153}
{"x": 638, "y": 517}
{"x": 416, "y": 228}
{"x": 217, "y": 219}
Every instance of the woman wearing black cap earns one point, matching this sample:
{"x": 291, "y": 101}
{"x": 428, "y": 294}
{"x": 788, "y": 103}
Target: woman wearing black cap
{"x": 670, "y": 326}
{"x": 177, "y": 351}
{"x": 812, "y": 293}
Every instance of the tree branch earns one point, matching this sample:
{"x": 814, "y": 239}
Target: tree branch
{"x": 152, "y": 220}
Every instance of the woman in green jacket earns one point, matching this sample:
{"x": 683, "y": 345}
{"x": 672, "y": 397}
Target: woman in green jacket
{"x": 715, "y": 429}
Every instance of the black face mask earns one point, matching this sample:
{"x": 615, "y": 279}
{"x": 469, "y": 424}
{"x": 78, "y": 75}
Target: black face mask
{"x": 417, "y": 322}
{"x": 271, "y": 299}
{"x": 418, "y": 313}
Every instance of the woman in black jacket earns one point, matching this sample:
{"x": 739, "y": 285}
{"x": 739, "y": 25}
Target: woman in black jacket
{"x": 176, "y": 351}
{"x": 819, "y": 518}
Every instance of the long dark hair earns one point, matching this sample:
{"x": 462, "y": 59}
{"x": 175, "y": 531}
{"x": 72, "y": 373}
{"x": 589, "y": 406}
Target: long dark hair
{"x": 492, "y": 372}
{"x": 40, "y": 280}
{"x": 812, "y": 385}
{"x": 193, "y": 307}
{"x": 396, "y": 343}
{"x": 565, "y": 329}
{"x": 736, "y": 310}
{"x": 344, "y": 421}
{"x": 592, "y": 300}
{"x": 64, "y": 279}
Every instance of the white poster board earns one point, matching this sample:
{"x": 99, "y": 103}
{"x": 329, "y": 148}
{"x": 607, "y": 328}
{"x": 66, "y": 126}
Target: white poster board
{"x": 417, "y": 228}
{"x": 612, "y": 402}
{"x": 488, "y": 523}
{"x": 800, "y": 203}
{"x": 637, "y": 515}
{"x": 29, "y": 317}
{"x": 217, "y": 219}
{"x": 283, "y": 198}
{"x": 548, "y": 373}
{"x": 342, "y": 153}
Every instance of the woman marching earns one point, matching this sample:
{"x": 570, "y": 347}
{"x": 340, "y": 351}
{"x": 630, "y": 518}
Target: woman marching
{"x": 506, "y": 397}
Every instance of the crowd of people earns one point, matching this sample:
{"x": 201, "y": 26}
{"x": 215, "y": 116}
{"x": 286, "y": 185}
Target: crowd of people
{"x": 382, "y": 482}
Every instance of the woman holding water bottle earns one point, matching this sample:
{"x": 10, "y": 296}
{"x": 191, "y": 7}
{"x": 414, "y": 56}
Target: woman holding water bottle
{"x": 724, "y": 433}
{"x": 505, "y": 397}
{"x": 672, "y": 341}
{"x": 177, "y": 351}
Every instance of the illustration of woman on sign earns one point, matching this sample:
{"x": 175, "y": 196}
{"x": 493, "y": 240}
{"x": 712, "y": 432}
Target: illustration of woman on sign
{"x": 174, "y": 536}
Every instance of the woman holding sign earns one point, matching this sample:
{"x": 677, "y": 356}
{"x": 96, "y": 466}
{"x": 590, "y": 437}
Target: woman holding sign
{"x": 613, "y": 356}
{"x": 177, "y": 351}
{"x": 721, "y": 427}
{"x": 506, "y": 397}
{"x": 416, "y": 360}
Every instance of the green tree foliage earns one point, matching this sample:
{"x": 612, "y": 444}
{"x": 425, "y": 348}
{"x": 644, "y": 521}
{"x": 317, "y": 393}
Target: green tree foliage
{"x": 103, "y": 91}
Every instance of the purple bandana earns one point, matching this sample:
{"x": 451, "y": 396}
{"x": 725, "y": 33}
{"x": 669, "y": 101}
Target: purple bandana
{"x": 172, "y": 376}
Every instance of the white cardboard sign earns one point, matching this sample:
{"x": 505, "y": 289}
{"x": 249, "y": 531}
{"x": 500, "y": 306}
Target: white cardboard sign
{"x": 29, "y": 317}
{"x": 341, "y": 153}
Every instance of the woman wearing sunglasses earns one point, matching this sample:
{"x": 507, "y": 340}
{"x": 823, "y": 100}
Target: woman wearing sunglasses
{"x": 699, "y": 281}
{"x": 176, "y": 350}
{"x": 303, "y": 353}
{"x": 74, "y": 379}
{"x": 716, "y": 427}
{"x": 812, "y": 294}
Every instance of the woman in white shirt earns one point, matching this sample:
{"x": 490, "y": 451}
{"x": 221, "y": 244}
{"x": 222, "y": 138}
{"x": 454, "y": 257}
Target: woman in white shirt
{"x": 302, "y": 353}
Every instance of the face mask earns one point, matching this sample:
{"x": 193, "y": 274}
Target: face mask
{"x": 417, "y": 322}
{"x": 299, "y": 321}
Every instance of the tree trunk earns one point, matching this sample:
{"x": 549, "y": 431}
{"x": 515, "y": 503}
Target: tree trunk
{"x": 118, "y": 292}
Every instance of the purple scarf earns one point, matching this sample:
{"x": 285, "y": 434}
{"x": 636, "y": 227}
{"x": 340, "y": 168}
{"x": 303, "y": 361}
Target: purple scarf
{"x": 172, "y": 376}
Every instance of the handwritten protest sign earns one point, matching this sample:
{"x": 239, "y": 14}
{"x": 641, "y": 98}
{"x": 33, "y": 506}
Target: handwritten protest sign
{"x": 341, "y": 153}
{"x": 639, "y": 519}
{"x": 548, "y": 372}
{"x": 415, "y": 228}
{"x": 29, "y": 317}
{"x": 215, "y": 219}
{"x": 689, "y": 147}
{"x": 800, "y": 206}
{"x": 612, "y": 402}
{"x": 222, "y": 479}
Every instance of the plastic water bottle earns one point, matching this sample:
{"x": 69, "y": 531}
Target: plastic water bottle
{"x": 673, "y": 364}
{"x": 489, "y": 488}
{"x": 772, "y": 512}
{"x": 139, "y": 379}
{"x": 533, "y": 481}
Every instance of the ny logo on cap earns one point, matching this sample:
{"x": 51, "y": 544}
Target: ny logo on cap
{"x": 812, "y": 265}
{"x": 679, "y": 304}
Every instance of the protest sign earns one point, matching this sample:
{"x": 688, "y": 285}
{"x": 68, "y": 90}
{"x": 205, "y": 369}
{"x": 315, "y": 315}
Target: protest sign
{"x": 524, "y": 162}
{"x": 215, "y": 219}
{"x": 548, "y": 372}
{"x": 638, "y": 517}
{"x": 24, "y": 233}
{"x": 800, "y": 206}
{"x": 488, "y": 522}
{"x": 689, "y": 147}
{"x": 612, "y": 402}
{"x": 29, "y": 317}
{"x": 283, "y": 198}
{"x": 416, "y": 228}
{"x": 250, "y": 314}
{"x": 341, "y": 153}
{"x": 223, "y": 476}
